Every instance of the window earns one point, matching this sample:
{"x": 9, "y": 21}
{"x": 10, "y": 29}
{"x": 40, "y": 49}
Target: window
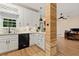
{"x": 9, "y": 22}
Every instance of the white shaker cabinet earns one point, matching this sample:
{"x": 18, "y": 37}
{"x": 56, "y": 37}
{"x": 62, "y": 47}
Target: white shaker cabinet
{"x": 33, "y": 39}
{"x": 8, "y": 43}
{"x": 39, "y": 39}
{"x": 30, "y": 18}
{"x": 13, "y": 45}
{"x": 3, "y": 45}
{"x": 13, "y": 42}
{"x": 19, "y": 21}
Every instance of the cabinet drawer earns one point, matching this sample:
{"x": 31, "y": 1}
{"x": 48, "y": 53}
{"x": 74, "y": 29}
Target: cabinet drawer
{"x": 3, "y": 38}
{"x": 13, "y": 45}
{"x": 12, "y": 37}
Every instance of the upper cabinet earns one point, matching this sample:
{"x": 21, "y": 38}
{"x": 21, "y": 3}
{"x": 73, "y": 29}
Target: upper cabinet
{"x": 27, "y": 17}
{"x": 19, "y": 21}
{"x": 30, "y": 17}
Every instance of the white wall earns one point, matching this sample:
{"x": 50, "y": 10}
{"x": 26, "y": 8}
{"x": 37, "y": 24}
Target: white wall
{"x": 63, "y": 25}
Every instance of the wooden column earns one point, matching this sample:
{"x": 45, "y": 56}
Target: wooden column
{"x": 50, "y": 34}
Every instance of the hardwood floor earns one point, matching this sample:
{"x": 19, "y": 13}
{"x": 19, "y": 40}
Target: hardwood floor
{"x": 68, "y": 47}
{"x": 31, "y": 51}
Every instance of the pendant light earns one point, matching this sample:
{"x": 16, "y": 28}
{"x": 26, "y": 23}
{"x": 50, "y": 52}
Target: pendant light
{"x": 41, "y": 14}
{"x": 41, "y": 22}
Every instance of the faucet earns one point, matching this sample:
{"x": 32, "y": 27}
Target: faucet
{"x": 9, "y": 30}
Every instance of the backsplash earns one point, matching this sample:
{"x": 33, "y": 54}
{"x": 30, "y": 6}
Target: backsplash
{"x": 5, "y": 30}
{"x": 26, "y": 29}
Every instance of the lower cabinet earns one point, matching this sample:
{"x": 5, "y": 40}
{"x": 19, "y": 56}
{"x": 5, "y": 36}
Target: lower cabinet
{"x": 3, "y": 46}
{"x": 38, "y": 39}
{"x": 33, "y": 39}
{"x": 41, "y": 41}
{"x": 8, "y": 43}
{"x": 13, "y": 45}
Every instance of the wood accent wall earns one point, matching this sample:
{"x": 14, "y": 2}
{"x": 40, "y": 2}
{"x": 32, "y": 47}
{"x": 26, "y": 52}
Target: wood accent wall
{"x": 50, "y": 34}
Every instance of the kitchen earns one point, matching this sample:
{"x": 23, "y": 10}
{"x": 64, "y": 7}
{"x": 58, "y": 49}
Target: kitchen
{"x": 18, "y": 23}
{"x": 28, "y": 27}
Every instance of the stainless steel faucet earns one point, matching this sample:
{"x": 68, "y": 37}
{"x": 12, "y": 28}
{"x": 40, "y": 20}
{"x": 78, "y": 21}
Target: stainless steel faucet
{"x": 9, "y": 30}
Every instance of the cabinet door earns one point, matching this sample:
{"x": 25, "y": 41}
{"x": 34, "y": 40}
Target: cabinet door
{"x": 19, "y": 21}
{"x": 3, "y": 46}
{"x": 31, "y": 39}
{"x": 13, "y": 45}
{"x": 12, "y": 42}
{"x": 26, "y": 18}
{"x": 41, "y": 41}
{"x": 30, "y": 17}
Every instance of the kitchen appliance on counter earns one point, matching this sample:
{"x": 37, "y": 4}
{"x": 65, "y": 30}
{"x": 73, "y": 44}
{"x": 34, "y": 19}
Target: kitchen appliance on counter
{"x": 23, "y": 41}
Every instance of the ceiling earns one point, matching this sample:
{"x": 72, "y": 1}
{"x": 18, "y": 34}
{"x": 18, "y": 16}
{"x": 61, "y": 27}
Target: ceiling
{"x": 68, "y": 9}
{"x": 33, "y": 6}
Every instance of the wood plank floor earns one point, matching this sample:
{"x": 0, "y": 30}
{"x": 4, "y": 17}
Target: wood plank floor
{"x": 68, "y": 47}
{"x": 30, "y": 51}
